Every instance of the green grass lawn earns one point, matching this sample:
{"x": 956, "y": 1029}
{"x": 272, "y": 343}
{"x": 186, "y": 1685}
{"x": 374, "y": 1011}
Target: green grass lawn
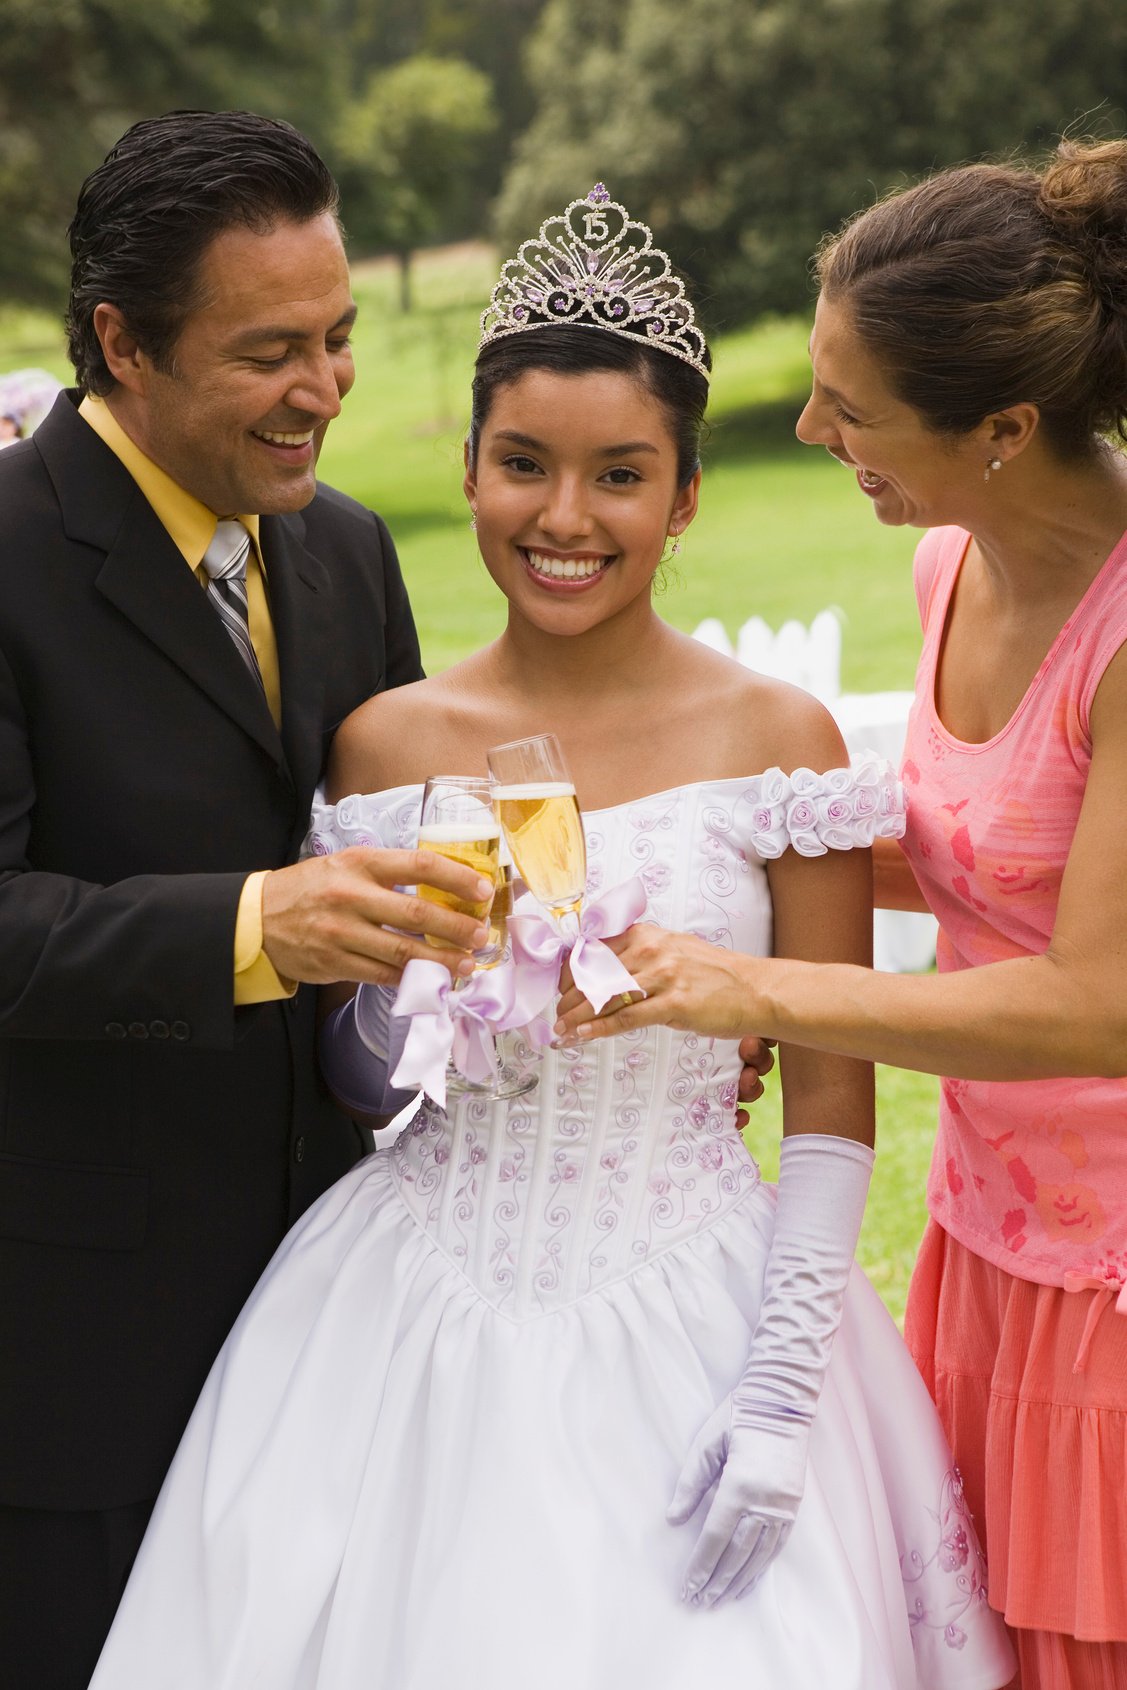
{"x": 782, "y": 532}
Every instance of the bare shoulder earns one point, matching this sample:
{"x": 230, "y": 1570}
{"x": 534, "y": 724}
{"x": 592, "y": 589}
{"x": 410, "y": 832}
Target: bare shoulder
{"x": 760, "y": 722}
{"x": 395, "y": 738}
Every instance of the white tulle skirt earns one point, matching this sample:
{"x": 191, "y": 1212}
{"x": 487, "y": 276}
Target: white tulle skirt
{"x": 389, "y": 1485}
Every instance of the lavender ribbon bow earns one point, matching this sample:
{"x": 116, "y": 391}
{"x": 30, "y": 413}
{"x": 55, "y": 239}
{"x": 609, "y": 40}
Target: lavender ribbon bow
{"x": 539, "y": 947}
{"x": 448, "y": 1025}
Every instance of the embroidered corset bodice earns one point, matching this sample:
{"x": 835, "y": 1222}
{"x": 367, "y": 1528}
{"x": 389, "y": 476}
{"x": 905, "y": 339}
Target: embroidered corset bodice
{"x": 631, "y": 1146}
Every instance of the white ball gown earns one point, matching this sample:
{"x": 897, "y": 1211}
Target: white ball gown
{"x": 439, "y": 1443}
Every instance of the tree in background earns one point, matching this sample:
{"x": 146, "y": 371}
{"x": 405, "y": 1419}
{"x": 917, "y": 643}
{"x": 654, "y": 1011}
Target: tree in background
{"x": 489, "y": 34}
{"x": 372, "y": 36}
{"x": 743, "y": 129}
{"x": 408, "y": 153}
{"x": 75, "y": 73}
{"x": 740, "y": 129}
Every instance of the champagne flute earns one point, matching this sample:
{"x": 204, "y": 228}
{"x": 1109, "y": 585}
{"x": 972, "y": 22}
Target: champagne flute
{"x": 534, "y": 795}
{"x": 535, "y": 799}
{"x": 458, "y": 821}
{"x": 498, "y": 947}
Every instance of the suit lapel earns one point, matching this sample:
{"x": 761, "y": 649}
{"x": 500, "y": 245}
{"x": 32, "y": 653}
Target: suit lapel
{"x": 147, "y": 579}
{"x": 144, "y": 575}
{"x": 299, "y": 589}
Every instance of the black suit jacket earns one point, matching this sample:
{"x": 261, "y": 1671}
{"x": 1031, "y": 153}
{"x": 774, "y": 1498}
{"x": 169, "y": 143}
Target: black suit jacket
{"x": 155, "y": 1142}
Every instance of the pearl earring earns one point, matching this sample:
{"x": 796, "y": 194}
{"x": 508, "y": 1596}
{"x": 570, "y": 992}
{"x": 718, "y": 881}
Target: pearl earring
{"x": 995, "y": 463}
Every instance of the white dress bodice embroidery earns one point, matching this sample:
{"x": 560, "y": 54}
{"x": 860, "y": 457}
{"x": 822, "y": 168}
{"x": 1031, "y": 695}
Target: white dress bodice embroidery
{"x": 466, "y": 1384}
{"x": 630, "y": 1146}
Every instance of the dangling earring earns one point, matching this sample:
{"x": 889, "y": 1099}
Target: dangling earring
{"x": 473, "y": 520}
{"x": 995, "y": 463}
{"x": 668, "y": 556}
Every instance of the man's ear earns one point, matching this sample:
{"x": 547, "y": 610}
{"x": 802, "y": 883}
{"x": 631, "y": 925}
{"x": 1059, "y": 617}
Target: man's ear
{"x": 126, "y": 362}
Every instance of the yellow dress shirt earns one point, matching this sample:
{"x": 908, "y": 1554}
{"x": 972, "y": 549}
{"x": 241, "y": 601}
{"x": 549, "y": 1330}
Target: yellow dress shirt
{"x": 191, "y": 527}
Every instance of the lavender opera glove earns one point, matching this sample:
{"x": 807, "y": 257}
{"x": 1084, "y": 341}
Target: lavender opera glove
{"x": 754, "y": 1447}
{"x": 359, "y": 1047}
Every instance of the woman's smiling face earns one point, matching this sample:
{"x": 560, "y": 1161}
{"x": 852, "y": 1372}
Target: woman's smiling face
{"x": 913, "y": 474}
{"x": 575, "y": 492}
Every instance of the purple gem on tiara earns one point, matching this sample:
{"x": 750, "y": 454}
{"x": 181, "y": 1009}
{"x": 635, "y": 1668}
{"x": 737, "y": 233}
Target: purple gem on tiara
{"x": 558, "y": 302}
{"x": 520, "y": 312}
{"x": 598, "y": 194}
{"x": 617, "y": 308}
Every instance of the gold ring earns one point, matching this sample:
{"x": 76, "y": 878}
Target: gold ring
{"x": 626, "y": 999}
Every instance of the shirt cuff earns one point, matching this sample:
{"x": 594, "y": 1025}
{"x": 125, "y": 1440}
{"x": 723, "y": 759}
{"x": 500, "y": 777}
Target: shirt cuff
{"x": 256, "y": 980}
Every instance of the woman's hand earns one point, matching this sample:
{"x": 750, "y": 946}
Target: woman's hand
{"x": 689, "y": 984}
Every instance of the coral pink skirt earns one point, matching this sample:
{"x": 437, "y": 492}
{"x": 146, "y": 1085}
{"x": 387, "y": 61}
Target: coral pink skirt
{"x": 1031, "y": 1386}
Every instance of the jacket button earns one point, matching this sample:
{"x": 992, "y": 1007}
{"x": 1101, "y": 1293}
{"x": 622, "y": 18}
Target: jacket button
{"x": 180, "y": 1030}
{"x": 299, "y": 1150}
{"x": 115, "y": 1029}
{"x": 158, "y": 1029}
{"x": 138, "y": 1030}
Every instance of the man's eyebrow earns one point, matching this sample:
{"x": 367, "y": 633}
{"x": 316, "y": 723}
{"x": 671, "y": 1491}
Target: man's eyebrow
{"x": 283, "y": 331}
{"x": 514, "y": 438}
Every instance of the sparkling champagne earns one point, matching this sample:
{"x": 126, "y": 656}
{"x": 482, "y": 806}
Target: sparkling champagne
{"x": 499, "y": 912}
{"x": 545, "y": 834}
{"x": 461, "y": 842}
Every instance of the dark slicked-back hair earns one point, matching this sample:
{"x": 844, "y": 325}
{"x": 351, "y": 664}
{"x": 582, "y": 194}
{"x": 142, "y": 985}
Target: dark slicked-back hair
{"x": 146, "y": 215}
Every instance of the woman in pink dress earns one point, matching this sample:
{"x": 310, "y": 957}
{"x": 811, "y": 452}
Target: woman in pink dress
{"x": 970, "y": 367}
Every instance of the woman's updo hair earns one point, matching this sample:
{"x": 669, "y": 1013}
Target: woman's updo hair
{"x": 992, "y": 285}
{"x": 681, "y": 391}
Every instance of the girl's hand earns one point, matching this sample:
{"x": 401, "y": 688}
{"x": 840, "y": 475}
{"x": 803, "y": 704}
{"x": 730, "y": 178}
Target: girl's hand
{"x": 689, "y": 984}
{"x": 758, "y": 1061}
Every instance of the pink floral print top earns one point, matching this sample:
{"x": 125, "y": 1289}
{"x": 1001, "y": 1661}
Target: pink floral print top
{"x": 1031, "y": 1174}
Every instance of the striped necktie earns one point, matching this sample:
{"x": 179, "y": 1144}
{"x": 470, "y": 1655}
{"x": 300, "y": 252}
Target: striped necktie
{"x": 225, "y": 563}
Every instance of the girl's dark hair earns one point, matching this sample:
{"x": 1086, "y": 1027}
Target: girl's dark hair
{"x": 681, "y": 391}
{"x": 990, "y": 285}
{"x": 146, "y": 215}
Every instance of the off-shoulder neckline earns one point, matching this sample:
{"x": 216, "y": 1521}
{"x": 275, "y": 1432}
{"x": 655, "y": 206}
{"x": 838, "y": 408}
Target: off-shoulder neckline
{"x": 645, "y": 797}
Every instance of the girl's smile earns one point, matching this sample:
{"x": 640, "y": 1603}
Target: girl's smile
{"x": 565, "y": 572}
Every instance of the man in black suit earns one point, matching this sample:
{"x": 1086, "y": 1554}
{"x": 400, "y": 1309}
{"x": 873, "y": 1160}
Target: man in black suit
{"x": 162, "y": 1120}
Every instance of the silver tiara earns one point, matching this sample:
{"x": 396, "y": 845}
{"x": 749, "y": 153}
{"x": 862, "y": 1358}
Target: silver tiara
{"x": 594, "y": 267}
